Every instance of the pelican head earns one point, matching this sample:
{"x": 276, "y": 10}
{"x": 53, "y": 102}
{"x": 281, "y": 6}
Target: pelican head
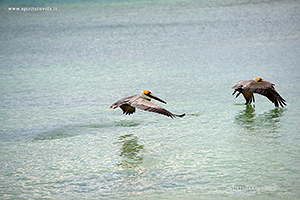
{"x": 258, "y": 79}
{"x": 148, "y": 95}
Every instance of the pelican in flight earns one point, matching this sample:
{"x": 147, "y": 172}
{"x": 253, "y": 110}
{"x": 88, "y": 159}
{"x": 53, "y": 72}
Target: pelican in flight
{"x": 260, "y": 86}
{"x": 128, "y": 104}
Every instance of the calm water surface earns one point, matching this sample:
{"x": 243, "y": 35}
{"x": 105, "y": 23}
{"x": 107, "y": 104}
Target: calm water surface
{"x": 61, "y": 70}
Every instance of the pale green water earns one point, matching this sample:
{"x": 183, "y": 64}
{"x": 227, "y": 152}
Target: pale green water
{"x": 60, "y": 72}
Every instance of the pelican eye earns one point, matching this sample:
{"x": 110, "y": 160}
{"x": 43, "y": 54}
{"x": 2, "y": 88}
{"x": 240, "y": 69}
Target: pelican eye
{"x": 147, "y": 92}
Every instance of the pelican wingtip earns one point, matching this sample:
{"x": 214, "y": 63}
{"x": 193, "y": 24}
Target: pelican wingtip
{"x": 181, "y": 115}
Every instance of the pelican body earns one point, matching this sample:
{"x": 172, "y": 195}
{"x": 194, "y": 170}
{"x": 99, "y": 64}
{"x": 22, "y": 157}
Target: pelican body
{"x": 260, "y": 86}
{"x": 128, "y": 104}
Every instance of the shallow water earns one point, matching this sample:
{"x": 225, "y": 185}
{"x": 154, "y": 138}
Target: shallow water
{"x": 61, "y": 70}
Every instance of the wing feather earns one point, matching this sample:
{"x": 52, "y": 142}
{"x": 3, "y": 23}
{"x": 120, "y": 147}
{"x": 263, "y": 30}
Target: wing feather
{"x": 127, "y": 109}
{"x": 146, "y": 105}
{"x": 266, "y": 89}
{"x": 239, "y": 87}
{"x": 249, "y": 97}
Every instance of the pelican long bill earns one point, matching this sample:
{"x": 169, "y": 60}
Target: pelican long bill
{"x": 151, "y": 95}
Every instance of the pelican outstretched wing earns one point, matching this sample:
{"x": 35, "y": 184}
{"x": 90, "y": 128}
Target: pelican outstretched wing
{"x": 266, "y": 89}
{"x": 146, "y": 105}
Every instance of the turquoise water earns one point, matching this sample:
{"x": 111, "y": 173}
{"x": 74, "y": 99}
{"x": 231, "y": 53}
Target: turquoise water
{"x": 61, "y": 70}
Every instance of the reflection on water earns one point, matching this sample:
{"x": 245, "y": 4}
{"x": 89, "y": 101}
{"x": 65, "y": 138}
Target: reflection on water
{"x": 127, "y": 123}
{"x": 250, "y": 120}
{"x": 58, "y": 133}
{"x": 130, "y": 152}
{"x": 246, "y": 116}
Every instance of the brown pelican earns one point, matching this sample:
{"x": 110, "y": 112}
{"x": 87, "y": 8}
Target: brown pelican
{"x": 260, "y": 86}
{"x": 128, "y": 104}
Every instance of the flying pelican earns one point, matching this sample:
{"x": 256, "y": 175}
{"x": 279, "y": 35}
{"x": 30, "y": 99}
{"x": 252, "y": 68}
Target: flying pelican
{"x": 128, "y": 104}
{"x": 260, "y": 86}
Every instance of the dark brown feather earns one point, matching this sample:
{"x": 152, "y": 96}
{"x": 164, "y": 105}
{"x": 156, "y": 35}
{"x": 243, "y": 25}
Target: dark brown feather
{"x": 127, "y": 109}
{"x": 146, "y": 105}
{"x": 247, "y": 88}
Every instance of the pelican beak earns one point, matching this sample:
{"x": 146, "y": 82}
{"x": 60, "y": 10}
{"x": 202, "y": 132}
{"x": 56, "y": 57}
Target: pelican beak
{"x": 267, "y": 81}
{"x": 155, "y": 97}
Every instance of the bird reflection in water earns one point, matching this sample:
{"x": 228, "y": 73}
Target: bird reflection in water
{"x": 250, "y": 120}
{"x": 246, "y": 117}
{"x": 130, "y": 152}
